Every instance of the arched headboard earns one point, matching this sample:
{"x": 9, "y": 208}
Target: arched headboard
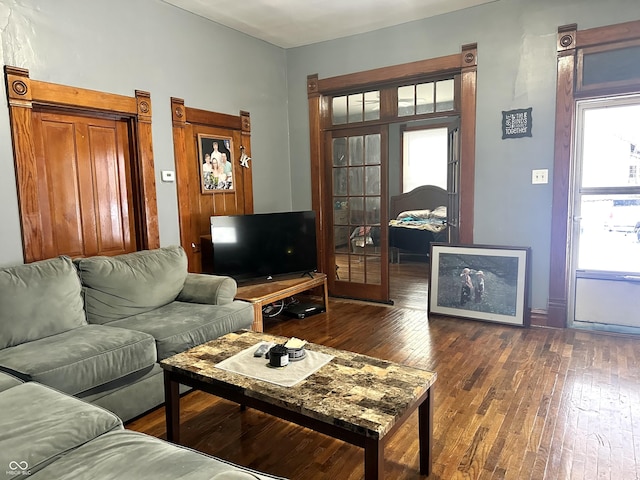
{"x": 420, "y": 198}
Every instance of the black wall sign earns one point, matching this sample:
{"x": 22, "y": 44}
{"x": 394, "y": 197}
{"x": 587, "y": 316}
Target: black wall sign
{"x": 516, "y": 123}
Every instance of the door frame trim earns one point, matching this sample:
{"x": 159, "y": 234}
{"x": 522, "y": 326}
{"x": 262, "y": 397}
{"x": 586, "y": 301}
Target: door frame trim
{"x": 464, "y": 63}
{"x": 23, "y": 94}
{"x": 570, "y": 41}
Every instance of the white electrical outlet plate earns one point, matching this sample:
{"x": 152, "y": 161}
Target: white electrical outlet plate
{"x": 540, "y": 176}
{"x": 168, "y": 176}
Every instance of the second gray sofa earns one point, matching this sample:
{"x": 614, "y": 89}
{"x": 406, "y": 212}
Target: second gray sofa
{"x": 49, "y": 435}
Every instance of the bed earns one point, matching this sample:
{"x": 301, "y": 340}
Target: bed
{"x": 417, "y": 218}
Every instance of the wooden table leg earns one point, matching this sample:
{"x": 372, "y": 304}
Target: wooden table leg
{"x": 325, "y": 292}
{"x": 172, "y": 407}
{"x": 425, "y": 433}
{"x": 373, "y": 459}
{"x": 257, "y": 325}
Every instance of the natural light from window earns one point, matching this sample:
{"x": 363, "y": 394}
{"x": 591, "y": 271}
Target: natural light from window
{"x": 609, "y": 190}
{"x": 424, "y": 158}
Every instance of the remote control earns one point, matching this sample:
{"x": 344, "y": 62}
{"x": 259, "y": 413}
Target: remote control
{"x": 262, "y": 349}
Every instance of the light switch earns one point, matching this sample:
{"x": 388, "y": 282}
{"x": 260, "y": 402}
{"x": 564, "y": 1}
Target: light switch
{"x": 540, "y": 176}
{"x": 168, "y": 176}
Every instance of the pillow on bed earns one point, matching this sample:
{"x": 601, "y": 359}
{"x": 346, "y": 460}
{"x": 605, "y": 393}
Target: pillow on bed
{"x": 439, "y": 212}
{"x": 415, "y": 214}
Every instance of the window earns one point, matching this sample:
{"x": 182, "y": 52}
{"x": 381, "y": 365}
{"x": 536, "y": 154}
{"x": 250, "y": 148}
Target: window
{"x": 427, "y": 97}
{"x": 424, "y": 158}
{"x": 356, "y": 107}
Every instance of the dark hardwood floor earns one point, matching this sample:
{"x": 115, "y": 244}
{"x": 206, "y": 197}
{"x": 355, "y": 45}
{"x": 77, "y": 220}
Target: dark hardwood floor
{"x": 510, "y": 403}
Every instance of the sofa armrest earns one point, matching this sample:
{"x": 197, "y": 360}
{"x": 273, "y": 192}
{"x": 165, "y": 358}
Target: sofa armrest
{"x": 208, "y": 289}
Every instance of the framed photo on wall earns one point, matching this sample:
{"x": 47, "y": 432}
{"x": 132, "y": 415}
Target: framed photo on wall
{"x": 215, "y": 161}
{"x": 480, "y": 282}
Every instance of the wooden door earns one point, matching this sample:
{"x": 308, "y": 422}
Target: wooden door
{"x": 195, "y": 204}
{"x": 605, "y": 246}
{"x": 84, "y": 184}
{"x": 114, "y": 170}
{"x": 356, "y": 171}
{"x": 201, "y": 206}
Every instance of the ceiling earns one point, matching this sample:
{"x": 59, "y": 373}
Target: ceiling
{"x": 292, "y": 23}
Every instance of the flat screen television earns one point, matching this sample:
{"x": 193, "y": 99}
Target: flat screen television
{"x": 264, "y": 245}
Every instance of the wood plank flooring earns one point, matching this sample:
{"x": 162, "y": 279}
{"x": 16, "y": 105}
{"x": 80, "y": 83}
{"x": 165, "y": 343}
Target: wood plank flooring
{"x": 510, "y": 403}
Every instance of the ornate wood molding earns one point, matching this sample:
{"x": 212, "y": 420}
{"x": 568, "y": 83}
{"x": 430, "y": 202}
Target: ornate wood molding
{"x": 18, "y": 87}
{"x": 245, "y": 120}
{"x": 312, "y": 85}
{"x": 319, "y": 92}
{"x": 469, "y": 56}
{"x": 558, "y": 281}
{"x": 146, "y": 167}
{"x": 570, "y": 41}
{"x": 406, "y": 71}
{"x": 316, "y": 121}
{"x": 23, "y": 93}
{"x": 20, "y": 102}
{"x": 178, "y": 115}
{"x": 247, "y": 185}
{"x": 143, "y": 101}
{"x": 468, "y": 87}
{"x": 566, "y": 37}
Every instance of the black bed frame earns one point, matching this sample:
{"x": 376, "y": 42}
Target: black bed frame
{"x": 406, "y": 240}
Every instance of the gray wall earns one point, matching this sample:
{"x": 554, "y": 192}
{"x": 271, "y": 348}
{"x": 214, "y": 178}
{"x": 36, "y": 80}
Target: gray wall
{"x": 119, "y": 46}
{"x": 516, "y": 69}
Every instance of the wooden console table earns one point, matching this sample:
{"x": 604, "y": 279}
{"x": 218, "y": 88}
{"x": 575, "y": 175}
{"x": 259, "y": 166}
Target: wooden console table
{"x": 261, "y": 294}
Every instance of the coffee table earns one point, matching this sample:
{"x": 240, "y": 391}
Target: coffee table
{"x": 355, "y": 398}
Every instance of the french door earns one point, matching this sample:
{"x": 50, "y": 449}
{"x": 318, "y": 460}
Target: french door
{"x": 605, "y": 247}
{"x": 357, "y": 233}
{"x": 453, "y": 182}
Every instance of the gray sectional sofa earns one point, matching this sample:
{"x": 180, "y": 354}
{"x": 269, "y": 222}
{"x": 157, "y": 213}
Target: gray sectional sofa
{"x": 96, "y": 327}
{"x": 80, "y": 342}
{"x": 47, "y": 435}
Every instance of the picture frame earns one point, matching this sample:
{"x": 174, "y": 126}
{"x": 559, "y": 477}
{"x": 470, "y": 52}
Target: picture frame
{"x": 216, "y": 164}
{"x": 480, "y": 282}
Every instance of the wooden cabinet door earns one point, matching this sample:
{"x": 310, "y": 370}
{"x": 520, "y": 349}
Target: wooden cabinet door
{"x": 84, "y": 185}
{"x": 198, "y": 206}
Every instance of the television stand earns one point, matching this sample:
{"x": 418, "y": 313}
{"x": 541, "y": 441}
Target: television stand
{"x": 261, "y": 294}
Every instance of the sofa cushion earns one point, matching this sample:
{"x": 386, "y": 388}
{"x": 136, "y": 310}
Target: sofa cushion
{"x": 39, "y": 299}
{"x": 124, "y": 285}
{"x": 80, "y": 359}
{"x": 7, "y": 381}
{"x": 133, "y": 455}
{"x": 131, "y": 395}
{"x": 180, "y": 326}
{"x": 39, "y": 424}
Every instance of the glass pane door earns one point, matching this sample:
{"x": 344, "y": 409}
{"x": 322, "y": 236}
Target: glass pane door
{"x": 453, "y": 183}
{"x": 359, "y": 216}
{"x": 606, "y": 234}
